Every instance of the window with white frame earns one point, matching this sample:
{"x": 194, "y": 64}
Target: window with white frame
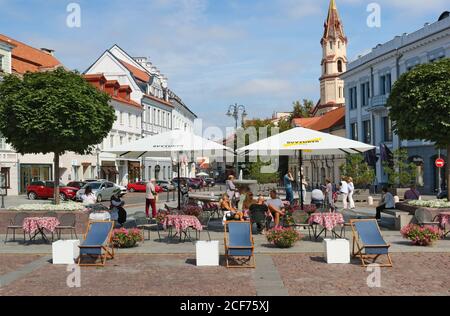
{"x": 130, "y": 120}
{"x": 121, "y": 117}
{"x": 1, "y": 63}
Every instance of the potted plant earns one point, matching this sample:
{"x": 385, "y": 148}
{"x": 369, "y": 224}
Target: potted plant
{"x": 310, "y": 209}
{"x": 123, "y": 238}
{"x": 192, "y": 210}
{"x": 283, "y": 237}
{"x": 421, "y": 236}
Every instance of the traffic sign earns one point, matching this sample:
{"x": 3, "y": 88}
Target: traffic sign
{"x": 440, "y": 163}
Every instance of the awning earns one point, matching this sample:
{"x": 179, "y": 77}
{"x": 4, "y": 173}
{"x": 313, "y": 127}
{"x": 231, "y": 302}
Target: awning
{"x": 110, "y": 170}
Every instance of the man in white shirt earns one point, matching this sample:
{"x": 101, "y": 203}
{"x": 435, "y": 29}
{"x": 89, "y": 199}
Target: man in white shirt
{"x": 150, "y": 198}
{"x": 344, "y": 192}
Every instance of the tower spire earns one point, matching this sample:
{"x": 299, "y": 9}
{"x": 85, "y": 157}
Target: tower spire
{"x": 333, "y": 25}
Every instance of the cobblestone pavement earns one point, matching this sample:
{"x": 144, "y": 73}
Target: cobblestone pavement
{"x": 10, "y": 262}
{"x": 412, "y": 274}
{"x": 295, "y": 274}
{"x": 135, "y": 275}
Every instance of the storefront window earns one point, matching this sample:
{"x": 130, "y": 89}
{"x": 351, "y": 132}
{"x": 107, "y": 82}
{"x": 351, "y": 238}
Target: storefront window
{"x": 5, "y": 178}
{"x": 29, "y": 173}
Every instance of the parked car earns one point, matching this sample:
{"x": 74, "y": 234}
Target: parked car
{"x": 210, "y": 182}
{"x": 191, "y": 182}
{"x": 77, "y": 184}
{"x": 103, "y": 190}
{"x": 196, "y": 183}
{"x": 443, "y": 195}
{"x": 45, "y": 190}
{"x": 165, "y": 185}
{"x": 137, "y": 186}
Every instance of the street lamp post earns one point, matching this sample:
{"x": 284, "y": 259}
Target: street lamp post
{"x": 98, "y": 151}
{"x": 233, "y": 111}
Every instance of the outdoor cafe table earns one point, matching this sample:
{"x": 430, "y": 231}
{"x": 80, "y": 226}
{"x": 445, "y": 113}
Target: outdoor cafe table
{"x": 328, "y": 220}
{"x": 37, "y": 225}
{"x": 182, "y": 223}
{"x": 204, "y": 198}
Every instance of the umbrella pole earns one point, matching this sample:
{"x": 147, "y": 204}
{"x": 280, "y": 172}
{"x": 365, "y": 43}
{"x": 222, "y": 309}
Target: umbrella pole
{"x": 179, "y": 183}
{"x": 300, "y": 160}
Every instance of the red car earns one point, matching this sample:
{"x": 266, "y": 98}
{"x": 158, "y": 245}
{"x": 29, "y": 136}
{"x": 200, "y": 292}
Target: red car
{"x": 45, "y": 189}
{"x": 141, "y": 187}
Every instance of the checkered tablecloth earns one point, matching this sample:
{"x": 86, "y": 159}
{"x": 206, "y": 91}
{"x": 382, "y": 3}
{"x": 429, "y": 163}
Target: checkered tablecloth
{"x": 32, "y": 224}
{"x": 182, "y": 222}
{"x": 327, "y": 220}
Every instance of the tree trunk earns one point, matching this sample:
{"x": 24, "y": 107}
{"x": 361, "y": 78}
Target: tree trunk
{"x": 56, "y": 173}
{"x": 448, "y": 172}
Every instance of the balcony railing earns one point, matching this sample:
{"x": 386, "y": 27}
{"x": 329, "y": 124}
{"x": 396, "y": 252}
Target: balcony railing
{"x": 378, "y": 102}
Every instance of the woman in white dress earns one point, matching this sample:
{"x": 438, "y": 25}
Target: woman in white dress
{"x": 351, "y": 190}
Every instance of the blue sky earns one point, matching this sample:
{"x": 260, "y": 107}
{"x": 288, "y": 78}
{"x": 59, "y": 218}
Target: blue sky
{"x": 261, "y": 53}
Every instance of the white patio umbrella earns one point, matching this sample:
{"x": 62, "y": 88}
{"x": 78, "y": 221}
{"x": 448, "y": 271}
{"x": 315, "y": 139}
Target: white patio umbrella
{"x": 305, "y": 142}
{"x": 202, "y": 174}
{"x": 170, "y": 143}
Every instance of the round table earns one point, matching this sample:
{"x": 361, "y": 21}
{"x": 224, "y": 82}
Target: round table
{"x": 328, "y": 220}
{"x": 37, "y": 225}
{"x": 182, "y": 223}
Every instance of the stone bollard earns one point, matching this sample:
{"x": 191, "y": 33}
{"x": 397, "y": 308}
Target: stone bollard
{"x": 396, "y": 199}
{"x": 370, "y": 200}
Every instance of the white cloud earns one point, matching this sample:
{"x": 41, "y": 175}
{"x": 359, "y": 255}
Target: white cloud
{"x": 263, "y": 87}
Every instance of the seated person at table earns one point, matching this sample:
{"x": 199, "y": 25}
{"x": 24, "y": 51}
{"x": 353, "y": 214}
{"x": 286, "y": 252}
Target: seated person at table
{"x": 225, "y": 203}
{"x": 261, "y": 207}
{"x": 412, "y": 193}
{"x": 317, "y": 197}
{"x": 241, "y": 196}
{"x": 249, "y": 200}
{"x": 276, "y": 207}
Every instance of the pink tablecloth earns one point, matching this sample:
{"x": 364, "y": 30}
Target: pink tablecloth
{"x": 182, "y": 222}
{"x": 444, "y": 218}
{"x": 32, "y": 224}
{"x": 327, "y": 220}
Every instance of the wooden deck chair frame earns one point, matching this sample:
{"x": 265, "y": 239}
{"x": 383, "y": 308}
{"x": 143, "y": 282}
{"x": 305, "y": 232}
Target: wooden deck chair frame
{"x": 108, "y": 248}
{"x": 240, "y": 261}
{"x": 358, "y": 247}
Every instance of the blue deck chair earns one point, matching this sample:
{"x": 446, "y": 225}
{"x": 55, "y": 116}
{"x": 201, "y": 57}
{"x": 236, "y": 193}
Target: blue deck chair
{"x": 368, "y": 243}
{"x": 239, "y": 244}
{"x": 97, "y": 243}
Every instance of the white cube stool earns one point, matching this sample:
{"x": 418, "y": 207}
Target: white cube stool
{"x": 65, "y": 251}
{"x": 337, "y": 250}
{"x": 207, "y": 253}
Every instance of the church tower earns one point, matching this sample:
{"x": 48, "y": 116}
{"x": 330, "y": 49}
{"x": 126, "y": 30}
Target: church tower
{"x": 334, "y": 63}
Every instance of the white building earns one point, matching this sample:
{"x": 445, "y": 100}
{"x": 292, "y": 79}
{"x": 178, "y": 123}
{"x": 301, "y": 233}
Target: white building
{"x": 149, "y": 89}
{"x": 368, "y": 82}
{"x": 19, "y": 170}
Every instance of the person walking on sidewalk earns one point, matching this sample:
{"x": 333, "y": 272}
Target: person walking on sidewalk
{"x": 351, "y": 191}
{"x": 288, "y": 179}
{"x": 344, "y": 192}
{"x": 150, "y": 198}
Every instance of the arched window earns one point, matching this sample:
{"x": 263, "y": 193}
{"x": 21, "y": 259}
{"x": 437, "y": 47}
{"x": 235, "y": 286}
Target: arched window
{"x": 339, "y": 64}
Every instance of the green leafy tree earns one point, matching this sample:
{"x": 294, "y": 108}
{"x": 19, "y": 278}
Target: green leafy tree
{"x": 302, "y": 109}
{"x": 401, "y": 173}
{"x": 255, "y": 173}
{"x": 355, "y": 167}
{"x": 53, "y": 112}
{"x": 419, "y": 105}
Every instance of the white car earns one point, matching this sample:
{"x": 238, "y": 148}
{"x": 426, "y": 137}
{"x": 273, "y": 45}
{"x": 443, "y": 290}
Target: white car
{"x": 103, "y": 190}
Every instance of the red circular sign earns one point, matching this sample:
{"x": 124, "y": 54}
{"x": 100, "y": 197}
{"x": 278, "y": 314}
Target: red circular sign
{"x": 440, "y": 163}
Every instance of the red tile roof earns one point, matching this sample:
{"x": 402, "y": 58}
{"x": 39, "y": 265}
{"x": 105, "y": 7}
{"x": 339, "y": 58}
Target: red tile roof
{"x": 94, "y": 79}
{"x": 26, "y": 58}
{"x": 321, "y": 123}
{"x": 138, "y": 73}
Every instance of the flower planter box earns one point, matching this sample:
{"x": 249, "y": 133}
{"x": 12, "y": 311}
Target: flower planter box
{"x": 207, "y": 253}
{"x": 65, "y": 251}
{"x": 336, "y": 250}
